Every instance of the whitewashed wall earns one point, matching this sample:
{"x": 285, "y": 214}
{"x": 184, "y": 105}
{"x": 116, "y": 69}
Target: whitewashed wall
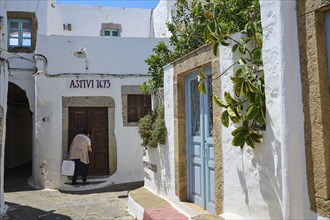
{"x": 162, "y": 181}
{"x": 161, "y": 15}
{"x": 268, "y": 182}
{"x": 104, "y": 55}
{"x": 40, "y": 8}
{"x": 48, "y": 147}
{"x": 126, "y": 58}
{"x": 3, "y": 112}
{"x": 86, "y": 20}
{"x": 284, "y": 103}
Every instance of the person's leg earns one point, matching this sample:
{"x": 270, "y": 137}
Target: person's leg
{"x": 76, "y": 169}
{"x": 83, "y": 170}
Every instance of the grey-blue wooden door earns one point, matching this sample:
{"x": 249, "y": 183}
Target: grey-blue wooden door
{"x": 200, "y": 150}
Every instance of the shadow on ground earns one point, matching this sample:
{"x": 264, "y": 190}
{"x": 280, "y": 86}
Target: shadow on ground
{"x": 16, "y": 211}
{"x": 16, "y": 179}
{"x": 111, "y": 188}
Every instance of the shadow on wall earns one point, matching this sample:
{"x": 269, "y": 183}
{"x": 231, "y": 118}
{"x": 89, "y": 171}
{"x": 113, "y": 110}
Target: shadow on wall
{"x": 17, "y": 211}
{"x": 162, "y": 177}
{"x": 266, "y": 160}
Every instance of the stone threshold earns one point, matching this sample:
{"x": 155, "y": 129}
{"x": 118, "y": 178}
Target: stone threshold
{"x": 144, "y": 204}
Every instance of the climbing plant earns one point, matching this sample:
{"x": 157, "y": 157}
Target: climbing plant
{"x": 247, "y": 105}
{"x": 187, "y": 31}
{"x": 195, "y": 23}
{"x": 152, "y": 128}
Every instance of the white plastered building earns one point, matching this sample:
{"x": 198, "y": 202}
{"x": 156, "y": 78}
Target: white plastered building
{"x": 65, "y": 68}
{"x": 284, "y": 177}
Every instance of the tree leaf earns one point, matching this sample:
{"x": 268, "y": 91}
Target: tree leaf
{"x": 252, "y": 112}
{"x": 216, "y": 49}
{"x": 229, "y": 99}
{"x": 261, "y": 118}
{"x": 208, "y": 15}
{"x": 234, "y": 48}
{"x": 202, "y": 75}
{"x": 238, "y": 72}
{"x": 224, "y": 43}
{"x": 237, "y": 79}
{"x": 225, "y": 119}
{"x": 251, "y": 87}
{"x": 231, "y": 112}
{"x": 239, "y": 139}
{"x": 219, "y": 102}
{"x": 201, "y": 88}
{"x": 238, "y": 130}
{"x": 259, "y": 39}
{"x": 238, "y": 88}
{"x": 257, "y": 62}
{"x": 238, "y": 111}
{"x": 242, "y": 61}
{"x": 246, "y": 124}
{"x": 250, "y": 141}
{"x": 242, "y": 48}
{"x": 234, "y": 119}
{"x": 257, "y": 53}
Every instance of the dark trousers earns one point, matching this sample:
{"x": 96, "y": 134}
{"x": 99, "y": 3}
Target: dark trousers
{"x": 78, "y": 165}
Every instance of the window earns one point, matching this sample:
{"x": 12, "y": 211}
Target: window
{"x": 137, "y": 107}
{"x": 110, "y": 32}
{"x": 20, "y": 33}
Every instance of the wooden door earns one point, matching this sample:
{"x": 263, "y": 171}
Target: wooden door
{"x": 95, "y": 119}
{"x": 200, "y": 150}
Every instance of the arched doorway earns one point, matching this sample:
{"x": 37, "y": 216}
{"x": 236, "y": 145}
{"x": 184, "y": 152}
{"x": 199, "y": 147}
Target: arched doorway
{"x": 18, "y": 145}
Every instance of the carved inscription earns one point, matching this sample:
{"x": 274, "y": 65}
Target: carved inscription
{"x": 89, "y": 83}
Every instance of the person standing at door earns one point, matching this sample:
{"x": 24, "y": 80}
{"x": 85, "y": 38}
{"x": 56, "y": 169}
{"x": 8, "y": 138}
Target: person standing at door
{"x": 78, "y": 152}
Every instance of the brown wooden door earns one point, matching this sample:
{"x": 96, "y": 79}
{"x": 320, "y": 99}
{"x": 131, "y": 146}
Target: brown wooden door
{"x": 95, "y": 119}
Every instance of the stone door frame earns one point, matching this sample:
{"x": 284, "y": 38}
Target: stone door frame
{"x": 91, "y": 101}
{"x": 200, "y": 58}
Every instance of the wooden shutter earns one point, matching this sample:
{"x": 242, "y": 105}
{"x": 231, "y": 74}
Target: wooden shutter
{"x": 137, "y": 107}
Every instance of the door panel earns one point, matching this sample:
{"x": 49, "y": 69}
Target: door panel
{"x": 95, "y": 119}
{"x": 200, "y": 152}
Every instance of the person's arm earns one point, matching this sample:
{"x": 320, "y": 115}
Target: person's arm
{"x": 69, "y": 152}
{"x": 89, "y": 144}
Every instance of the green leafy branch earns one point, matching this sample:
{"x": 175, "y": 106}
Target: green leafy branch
{"x": 152, "y": 128}
{"x": 247, "y": 108}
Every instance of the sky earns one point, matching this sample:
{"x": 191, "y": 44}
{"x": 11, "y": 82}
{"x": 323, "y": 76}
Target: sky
{"x": 114, "y": 3}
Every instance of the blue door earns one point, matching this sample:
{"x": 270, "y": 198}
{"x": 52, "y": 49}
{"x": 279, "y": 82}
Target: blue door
{"x": 200, "y": 150}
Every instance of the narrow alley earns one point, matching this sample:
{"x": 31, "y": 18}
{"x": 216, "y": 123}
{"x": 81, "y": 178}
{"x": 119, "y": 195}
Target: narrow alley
{"x": 26, "y": 203}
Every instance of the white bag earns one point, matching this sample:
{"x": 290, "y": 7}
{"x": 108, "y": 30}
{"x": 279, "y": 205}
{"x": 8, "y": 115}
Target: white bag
{"x": 67, "y": 167}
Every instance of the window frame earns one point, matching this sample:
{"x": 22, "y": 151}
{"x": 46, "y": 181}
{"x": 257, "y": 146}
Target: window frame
{"x": 111, "y": 32}
{"x": 11, "y": 15}
{"x": 143, "y": 111}
{"x": 127, "y": 90}
{"x": 20, "y": 31}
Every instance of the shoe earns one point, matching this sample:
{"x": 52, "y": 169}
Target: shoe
{"x": 85, "y": 183}
{"x": 74, "y": 183}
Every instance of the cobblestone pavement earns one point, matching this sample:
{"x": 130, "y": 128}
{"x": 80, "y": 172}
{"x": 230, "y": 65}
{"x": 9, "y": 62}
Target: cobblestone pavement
{"x": 25, "y": 203}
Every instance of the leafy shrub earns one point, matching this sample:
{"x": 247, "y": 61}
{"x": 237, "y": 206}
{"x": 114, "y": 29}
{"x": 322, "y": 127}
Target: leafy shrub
{"x": 152, "y": 128}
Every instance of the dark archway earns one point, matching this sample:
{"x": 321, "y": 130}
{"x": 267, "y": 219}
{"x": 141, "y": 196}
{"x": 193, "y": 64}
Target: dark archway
{"x": 18, "y": 145}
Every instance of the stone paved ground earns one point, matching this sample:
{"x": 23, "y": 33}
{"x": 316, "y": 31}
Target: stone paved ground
{"x": 25, "y": 203}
